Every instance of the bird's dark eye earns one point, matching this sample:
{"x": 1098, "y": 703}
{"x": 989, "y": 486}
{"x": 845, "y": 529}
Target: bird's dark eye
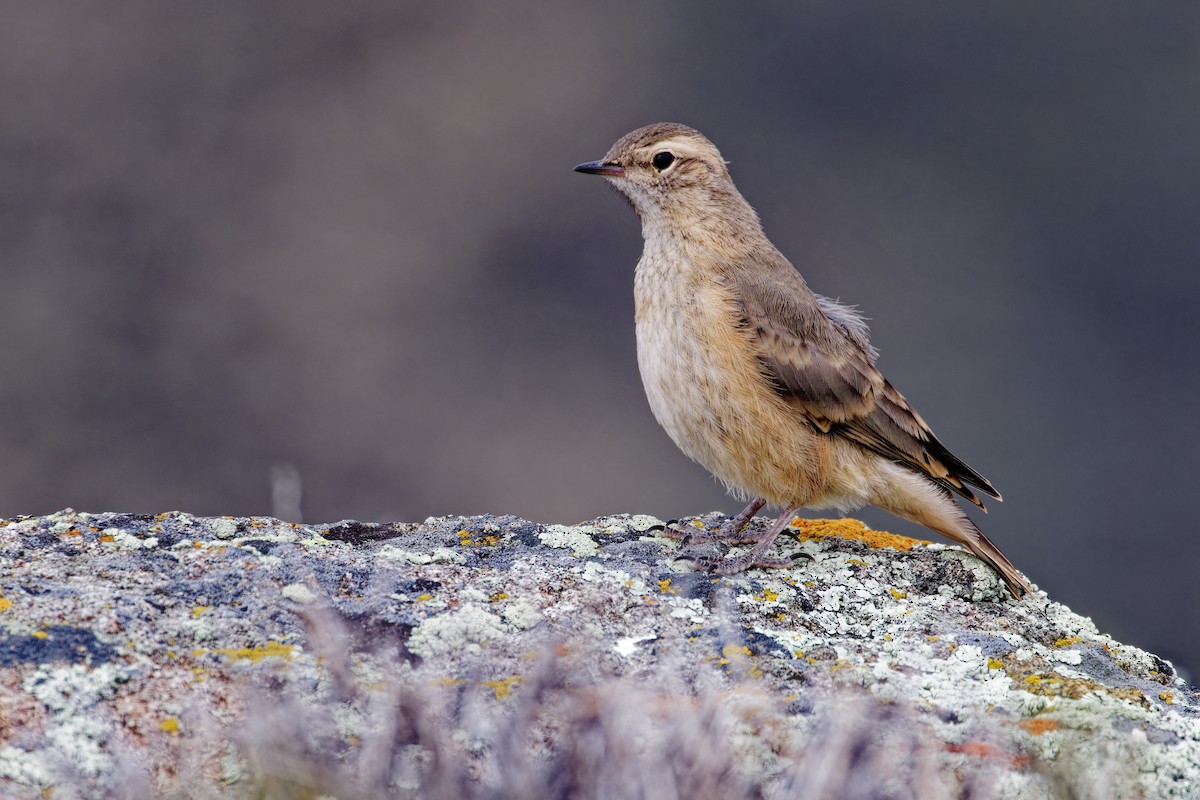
{"x": 663, "y": 160}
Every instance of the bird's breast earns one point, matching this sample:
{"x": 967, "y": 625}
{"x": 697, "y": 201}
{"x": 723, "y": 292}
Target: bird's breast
{"x": 705, "y": 384}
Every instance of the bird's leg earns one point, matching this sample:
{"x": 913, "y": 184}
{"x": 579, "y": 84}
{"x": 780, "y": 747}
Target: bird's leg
{"x": 756, "y": 557}
{"x": 731, "y": 531}
{"x": 735, "y": 525}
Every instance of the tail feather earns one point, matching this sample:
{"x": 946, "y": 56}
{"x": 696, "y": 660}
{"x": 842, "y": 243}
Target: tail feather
{"x": 914, "y": 497}
{"x": 982, "y": 546}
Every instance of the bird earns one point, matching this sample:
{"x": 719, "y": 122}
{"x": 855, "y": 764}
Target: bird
{"x": 770, "y": 386}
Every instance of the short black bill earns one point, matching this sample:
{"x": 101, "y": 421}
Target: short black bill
{"x": 605, "y": 168}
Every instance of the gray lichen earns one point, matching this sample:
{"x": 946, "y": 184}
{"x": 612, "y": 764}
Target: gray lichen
{"x": 151, "y": 652}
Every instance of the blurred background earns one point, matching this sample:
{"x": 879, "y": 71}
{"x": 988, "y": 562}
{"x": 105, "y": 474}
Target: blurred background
{"x": 246, "y": 241}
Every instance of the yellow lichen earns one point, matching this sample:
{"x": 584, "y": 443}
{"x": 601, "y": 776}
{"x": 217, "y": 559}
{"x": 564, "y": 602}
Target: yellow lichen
{"x": 664, "y": 586}
{"x": 899, "y": 595}
{"x": 421, "y": 598}
{"x": 995, "y": 663}
{"x": 731, "y": 653}
{"x": 498, "y": 596}
{"x": 1166, "y": 697}
{"x": 1055, "y": 685}
{"x": 807, "y": 529}
{"x": 739, "y": 656}
{"x": 169, "y": 725}
{"x": 767, "y": 596}
{"x": 503, "y": 687}
{"x": 40, "y": 635}
{"x": 5, "y": 603}
{"x": 467, "y": 539}
{"x": 255, "y": 654}
{"x": 1067, "y": 641}
{"x": 198, "y": 611}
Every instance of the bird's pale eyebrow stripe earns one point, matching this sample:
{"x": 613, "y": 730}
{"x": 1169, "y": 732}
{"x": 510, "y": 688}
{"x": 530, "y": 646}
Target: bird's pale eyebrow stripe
{"x": 680, "y": 147}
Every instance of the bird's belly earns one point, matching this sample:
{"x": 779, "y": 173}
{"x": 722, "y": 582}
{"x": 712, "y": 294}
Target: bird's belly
{"x": 707, "y": 390}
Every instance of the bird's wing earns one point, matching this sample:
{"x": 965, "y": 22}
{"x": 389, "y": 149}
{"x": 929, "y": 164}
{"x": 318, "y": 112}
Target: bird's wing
{"x": 817, "y": 353}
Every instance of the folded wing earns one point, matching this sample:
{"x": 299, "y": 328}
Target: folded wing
{"x": 819, "y": 358}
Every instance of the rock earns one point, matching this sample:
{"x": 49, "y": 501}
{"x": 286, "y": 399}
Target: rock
{"x": 492, "y": 656}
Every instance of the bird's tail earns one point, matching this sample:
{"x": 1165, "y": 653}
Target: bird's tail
{"x": 982, "y": 546}
{"x": 914, "y": 498}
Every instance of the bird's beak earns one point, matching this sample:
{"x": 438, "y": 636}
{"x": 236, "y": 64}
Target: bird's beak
{"x": 606, "y": 168}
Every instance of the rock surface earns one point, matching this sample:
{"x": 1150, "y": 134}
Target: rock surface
{"x": 170, "y": 654}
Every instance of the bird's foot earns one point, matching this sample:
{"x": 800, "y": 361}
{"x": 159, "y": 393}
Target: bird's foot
{"x": 757, "y": 557}
{"x": 689, "y": 534}
{"x": 733, "y": 531}
{"x": 733, "y": 566}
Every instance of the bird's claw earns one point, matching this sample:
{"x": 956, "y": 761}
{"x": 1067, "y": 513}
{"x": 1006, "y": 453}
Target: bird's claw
{"x": 730, "y": 533}
{"x": 739, "y": 564}
{"x": 734, "y": 566}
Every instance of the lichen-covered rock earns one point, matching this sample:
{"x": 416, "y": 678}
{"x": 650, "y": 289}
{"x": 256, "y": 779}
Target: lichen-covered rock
{"x": 155, "y": 654}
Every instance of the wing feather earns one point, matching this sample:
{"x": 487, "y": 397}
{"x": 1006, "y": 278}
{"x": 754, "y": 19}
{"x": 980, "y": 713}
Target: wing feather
{"x": 819, "y": 357}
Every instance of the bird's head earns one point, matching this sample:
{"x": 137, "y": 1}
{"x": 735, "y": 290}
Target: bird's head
{"x": 670, "y": 173}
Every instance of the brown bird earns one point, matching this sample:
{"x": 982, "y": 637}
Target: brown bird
{"x": 769, "y": 386}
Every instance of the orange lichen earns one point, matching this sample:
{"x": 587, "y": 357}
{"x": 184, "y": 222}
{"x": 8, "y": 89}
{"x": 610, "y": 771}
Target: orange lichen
{"x": 985, "y": 750}
{"x": 976, "y": 749}
{"x": 850, "y": 529}
{"x": 1038, "y": 725}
